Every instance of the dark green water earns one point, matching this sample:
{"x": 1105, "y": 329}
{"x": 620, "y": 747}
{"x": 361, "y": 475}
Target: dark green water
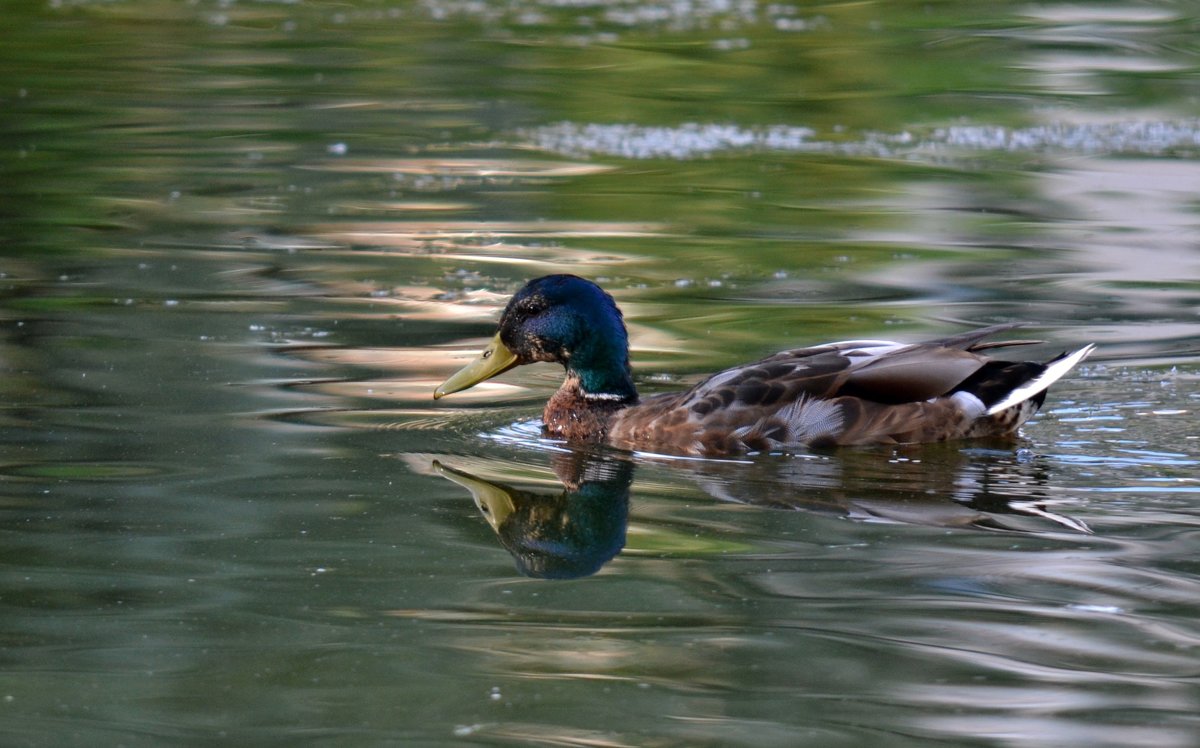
{"x": 241, "y": 242}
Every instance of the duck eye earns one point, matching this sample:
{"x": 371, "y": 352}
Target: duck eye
{"x": 532, "y": 306}
{"x": 487, "y": 353}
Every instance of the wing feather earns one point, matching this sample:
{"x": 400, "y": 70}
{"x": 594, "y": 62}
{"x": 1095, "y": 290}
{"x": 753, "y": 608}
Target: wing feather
{"x": 850, "y": 392}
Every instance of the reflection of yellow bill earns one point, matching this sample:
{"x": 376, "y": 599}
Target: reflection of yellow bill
{"x": 495, "y": 359}
{"x": 493, "y": 501}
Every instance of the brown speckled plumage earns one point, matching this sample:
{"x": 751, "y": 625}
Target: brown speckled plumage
{"x": 850, "y": 393}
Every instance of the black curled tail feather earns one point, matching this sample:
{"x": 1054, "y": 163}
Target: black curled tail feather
{"x": 996, "y": 380}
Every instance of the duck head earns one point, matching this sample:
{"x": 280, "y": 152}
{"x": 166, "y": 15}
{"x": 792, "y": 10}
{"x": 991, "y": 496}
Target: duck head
{"x": 563, "y": 319}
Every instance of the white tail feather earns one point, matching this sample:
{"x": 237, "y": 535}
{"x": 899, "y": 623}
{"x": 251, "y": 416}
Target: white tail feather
{"x": 1052, "y": 374}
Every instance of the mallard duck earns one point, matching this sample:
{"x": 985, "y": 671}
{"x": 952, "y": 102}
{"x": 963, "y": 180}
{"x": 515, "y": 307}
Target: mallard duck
{"x": 856, "y": 392}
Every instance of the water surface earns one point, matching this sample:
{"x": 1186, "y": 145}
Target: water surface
{"x": 243, "y": 241}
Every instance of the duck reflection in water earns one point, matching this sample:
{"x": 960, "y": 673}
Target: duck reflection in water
{"x": 565, "y": 535}
{"x": 575, "y": 532}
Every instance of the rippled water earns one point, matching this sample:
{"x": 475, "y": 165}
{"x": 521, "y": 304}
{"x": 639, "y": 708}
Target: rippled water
{"x": 243, "y": 241}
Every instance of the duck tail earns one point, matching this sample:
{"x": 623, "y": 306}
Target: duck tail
{"x": 1035, "y": 387}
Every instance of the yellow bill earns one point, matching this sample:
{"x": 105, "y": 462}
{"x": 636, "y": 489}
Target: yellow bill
{"x": 495, "y": 360}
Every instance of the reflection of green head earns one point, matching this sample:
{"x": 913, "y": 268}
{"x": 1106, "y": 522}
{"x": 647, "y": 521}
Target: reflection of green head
{"x": 563, "y": 536}
{"x": 570, "y": 535}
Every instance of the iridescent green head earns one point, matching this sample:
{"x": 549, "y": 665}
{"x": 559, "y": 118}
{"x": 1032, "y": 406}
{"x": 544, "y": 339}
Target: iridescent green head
{"x": 564, "y": 319}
